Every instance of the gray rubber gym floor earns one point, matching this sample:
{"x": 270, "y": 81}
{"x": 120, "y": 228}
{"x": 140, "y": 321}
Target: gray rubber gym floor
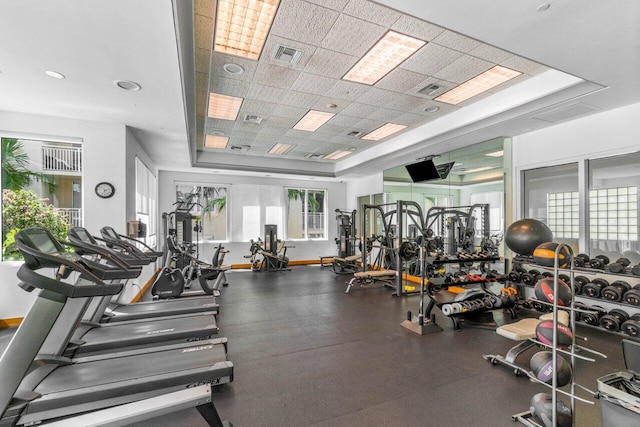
{"x": 306, "y": 353}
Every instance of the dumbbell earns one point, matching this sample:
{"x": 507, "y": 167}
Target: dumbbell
{"x": 515, "y": 275}
{"x": 529, "y": 278}
{"x": 582, "y": 306}
{"x": 632, "y": 326}
{"x": 593, "y": 317}
{"x": 578, "y": 284}
{"x": 581, "y": 260}
{"x": 635, "y": 270}
{"x": 620, "y": 265}
{"x": 599, "y": 262}
{"x": 594, "y": 288}
{"x": 615, "y": 291}
{"x": 632, "y": 296}
{"x": 614, "y": 319}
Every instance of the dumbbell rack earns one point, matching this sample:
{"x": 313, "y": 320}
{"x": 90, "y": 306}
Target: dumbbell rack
{"x": 439, "y": 282}
{"x": 526, "y": 418}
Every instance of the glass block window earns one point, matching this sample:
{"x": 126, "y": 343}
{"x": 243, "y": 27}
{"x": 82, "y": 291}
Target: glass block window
{"x": 563, "y": 214}
{"x": 613, "y": 214}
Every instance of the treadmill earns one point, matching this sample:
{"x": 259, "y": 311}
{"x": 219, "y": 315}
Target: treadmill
{"x": 106, "y": 310}
{"x": 37, "y": 388}
{"x": 94, "y": 338}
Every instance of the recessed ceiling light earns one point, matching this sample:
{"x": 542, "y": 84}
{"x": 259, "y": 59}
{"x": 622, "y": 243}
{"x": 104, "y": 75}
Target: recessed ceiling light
{"x": 390, "y": 51}
{"x": 224, "y": 107}
{"x": 480, "y": 83}
{"x": 338, "y": 154}
{"x": 242, "y": 26}
{"x": 127, "y": 85}
{"x": 383, "y": 132}
{"x": 214, "y": 141}
{"x": 234, "y": 69}
{"x": 352, "y": 148}
{"x": 332, "y": 106}
{"x": 543, "y": 7}
{"x": 431, "y": 109}
{"x": 216, "y": 133}
{"x": 54, "y": 74}
{"x": 313, "y": 120}
{"x": 279, "y": 149}
{"x": 496, "y": 154}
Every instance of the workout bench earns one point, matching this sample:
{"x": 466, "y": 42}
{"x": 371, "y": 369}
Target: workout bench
{"x": 524, "y": 331}
{"x": 364, "y": 278}
{"x": 347, "y": 264}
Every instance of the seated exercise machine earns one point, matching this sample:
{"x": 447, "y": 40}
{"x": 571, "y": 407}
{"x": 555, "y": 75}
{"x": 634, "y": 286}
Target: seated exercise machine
{"x": 39, "y": 384}
{"x": 346, "y": 261}
{"x": 273, "y": 251}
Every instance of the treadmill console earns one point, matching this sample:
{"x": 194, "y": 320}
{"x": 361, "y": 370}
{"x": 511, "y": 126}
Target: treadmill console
{"x": 42, "y": 241}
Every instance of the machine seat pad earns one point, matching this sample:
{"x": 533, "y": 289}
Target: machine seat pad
{"x": 374, "y": 274}
{"x": 347, "y": 259}
{"x": 520, "y": 330}
{"x": 563, "y": 317}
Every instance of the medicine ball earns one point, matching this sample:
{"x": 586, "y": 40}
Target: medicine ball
{"x": 525, "y": 235}
{"x": 543, "y": 291}
{"x": 545, "y": 254}
{"x": 544, "y": 333}
{"x": 542, "y": 368}
{"x": 541, "y": 408}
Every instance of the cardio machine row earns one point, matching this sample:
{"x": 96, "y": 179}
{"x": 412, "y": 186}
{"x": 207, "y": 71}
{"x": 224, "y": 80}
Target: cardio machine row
{"x": 76, "y": 352}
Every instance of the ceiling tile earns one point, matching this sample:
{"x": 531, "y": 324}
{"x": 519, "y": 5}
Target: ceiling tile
{"x": 290, "y": 112}
{"x": 347, "y": 90}
{"x": 430, "y": 59}
{"x": 463, "y": 69}
{"x": 331, "y": 4}
{"x": 520, "y": 64}
{"x": 312, "y": 83}
{"x": 261, "y": 108}
{"x": 243, "y": 127}
{"x": 225, "y": 126}
{"x": 371, "y": 12}
{"x": 322, "y": 105}
{"x": 490, "y": 53}
{"x": 333, "y": 130}
{"x": 409, "y": 119}
{"x": 400, "y": 80}
{"x": 293, "y": 18}
{"x": 270, "y": 131}
{"x": 352, "y": 36}
{"x": 416, "y": 28}
{"x": 274, "y": 75}
{"x": 283, "y": 122}
{"x": 330, "y": 64}
{"x": 265, "y": 93}
{"x": 229, "y": 87}
{"x": 385, "y": 114}
{"x": 304, "y": 137}
{"x": 344, "y": 120}
{"x": 358, "y": 110}
{"x": 300, "y": 99}
{"x": 377, "y": 97}
{"x": 369, "y": 125}
{"x": 219, "y": 59}
{"x": 272, "y": 44}
{"x": 456, "y": 41}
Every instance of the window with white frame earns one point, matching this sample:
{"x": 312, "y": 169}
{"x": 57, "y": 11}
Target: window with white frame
{"x": 146, "y": 200}
{"x": 613, "y": 214}
{"x": 253, "y": 207}
{"x": 209, "y": 209}
{"x": 306, "y": 213}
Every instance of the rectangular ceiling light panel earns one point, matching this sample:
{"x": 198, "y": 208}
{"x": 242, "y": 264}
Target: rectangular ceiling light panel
{"x": 390, "y": 51}
{"x": 242, "y": 26}
{"x": 279, "y": 149}
{"x": 214, "y": 141}
{"x": 338, "y": 154}
{"x": 480, "y": 83}
{"x": 496, "y": 154}
{"x": 383, "y": 132}
{"x": 313, "y": 120}
{"x": 224, "y": 107}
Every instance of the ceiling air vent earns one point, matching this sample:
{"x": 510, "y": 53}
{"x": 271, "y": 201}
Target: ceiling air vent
{"x": 240, "y": 147}
{"x": 252, "y": 118}
{"x": 288, "y": 55}
{"x": 355, "y": 134}
{"x": 431, "y": 89}
{"x": 314, "y": 156}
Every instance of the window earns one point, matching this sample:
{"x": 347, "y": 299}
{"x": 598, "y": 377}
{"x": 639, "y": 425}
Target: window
{"x": 146, "y": 201}
{"x": 209, "y": 208}
{"x": 45, "y": 175}
{"x": 306, "y": 213}
{"x": 563, "y": 213}
{"x": 253, "y": 207}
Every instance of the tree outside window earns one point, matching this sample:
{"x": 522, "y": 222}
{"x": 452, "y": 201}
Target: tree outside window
{"x": 306, "y": 213}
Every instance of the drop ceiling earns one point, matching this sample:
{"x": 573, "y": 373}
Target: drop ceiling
{"x": 578, "y": 57}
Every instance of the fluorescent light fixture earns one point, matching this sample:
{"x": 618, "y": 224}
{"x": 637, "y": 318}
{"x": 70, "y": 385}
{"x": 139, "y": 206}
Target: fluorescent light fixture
{"x": 338, "y": 154}
{"x": 224, "y": 107}
{"x": 488, "y": 176}
{"x": 242, "y": 26}
{"x": 383, "y": 132}
{"x": 313, "y": 120}
{"x": 496, "y": 154}
{"x": 480, "y": 83}
{"x": 480, "y": 169}
{"x": 390, "y": 51}
{"x": 54, "y": 74}
{"x": 215, "y": 141}
{"x": 279, "y": 149}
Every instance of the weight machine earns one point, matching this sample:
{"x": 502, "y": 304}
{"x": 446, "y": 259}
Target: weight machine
{"x": 457, "y": 226}
{"x": 346, "y": 261}
{"x": 273, "y": 251}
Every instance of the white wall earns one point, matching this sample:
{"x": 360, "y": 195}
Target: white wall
{"x": 304, "y": 250}
{"x": 361, "y": 187}
{"x": 133, "y": 150}
{"x": 103, "y": 160}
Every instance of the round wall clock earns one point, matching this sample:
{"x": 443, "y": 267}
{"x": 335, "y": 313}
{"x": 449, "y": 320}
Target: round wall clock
{"x": 105, "y": 190}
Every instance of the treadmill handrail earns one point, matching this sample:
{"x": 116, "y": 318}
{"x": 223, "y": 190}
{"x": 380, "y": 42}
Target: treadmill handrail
{"x": 130, "y": 241}
{"x": 132, "y": 250}
{"x": 103, "y": 252}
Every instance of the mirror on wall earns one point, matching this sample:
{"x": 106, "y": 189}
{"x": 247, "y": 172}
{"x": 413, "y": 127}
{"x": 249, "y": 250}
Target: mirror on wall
{"x": 475, "y": 175}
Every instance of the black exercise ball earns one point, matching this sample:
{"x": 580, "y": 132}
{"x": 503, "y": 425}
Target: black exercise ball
{"x": 542, "y": 367}
{"x": 545, "y": 254}
{"x": 541, "y": 405}
{"x": 525, "y": 235}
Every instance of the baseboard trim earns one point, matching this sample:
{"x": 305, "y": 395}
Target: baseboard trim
{"x": 10, "y": 322}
